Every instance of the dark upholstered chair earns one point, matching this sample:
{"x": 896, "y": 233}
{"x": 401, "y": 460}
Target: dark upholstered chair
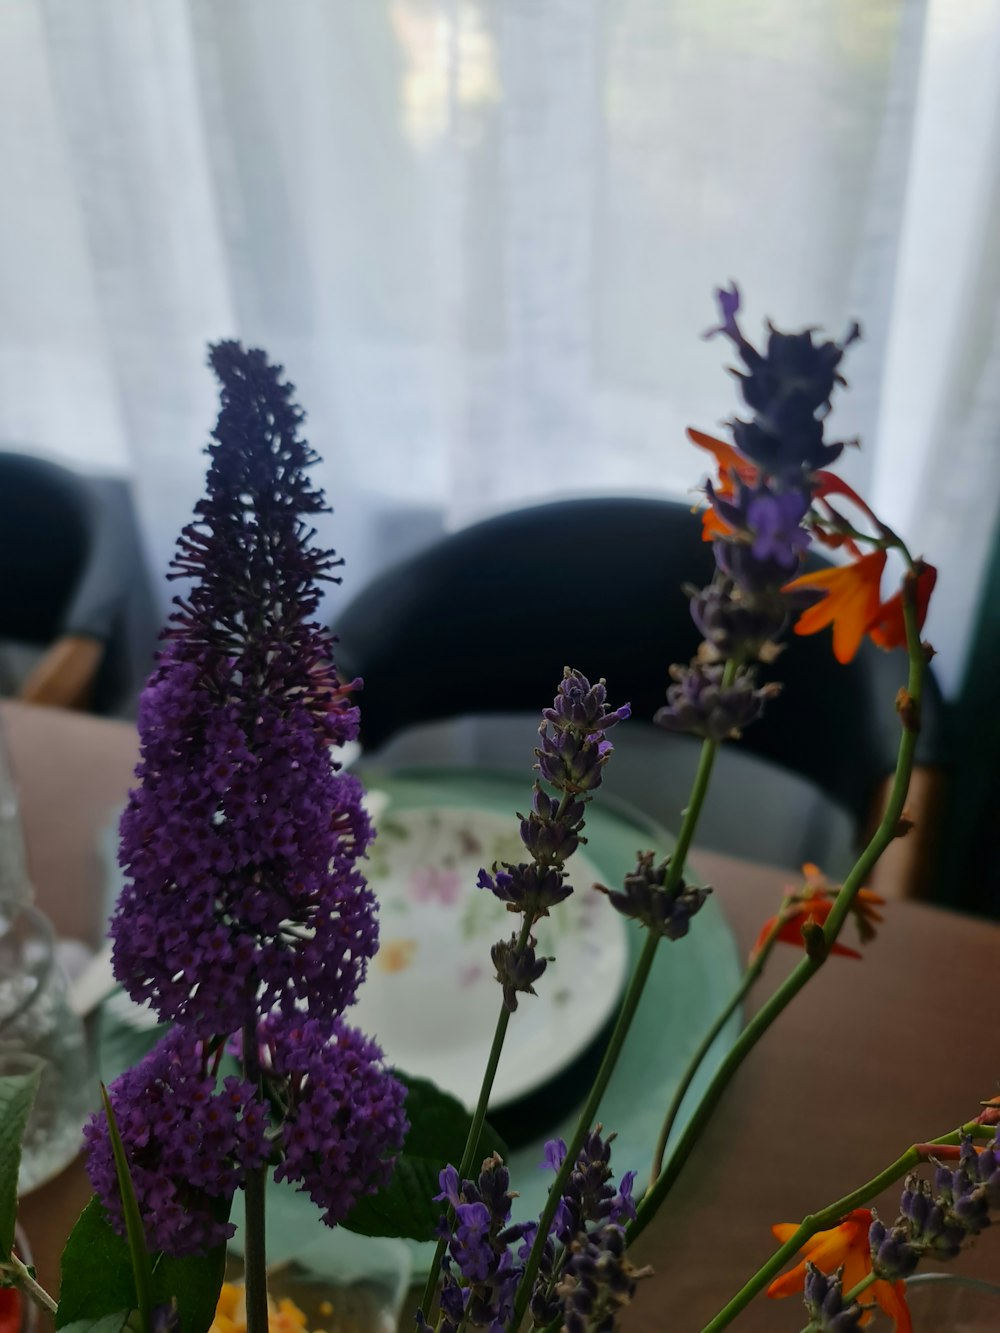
{"x": 482, "y": 622}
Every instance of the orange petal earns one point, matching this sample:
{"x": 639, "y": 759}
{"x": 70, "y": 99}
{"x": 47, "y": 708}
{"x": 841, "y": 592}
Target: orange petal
{"x": 784, "y": 1231}
{"x": 889, "y": 631}
{"x": 891, "y": 1297}
{"x": 728, "y": 458}
{"x": 789, "y": 1283}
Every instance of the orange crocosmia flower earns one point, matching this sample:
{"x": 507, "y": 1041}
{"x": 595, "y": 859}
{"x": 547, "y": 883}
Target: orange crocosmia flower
{"x": 732, "y": 467}
{"x": 843, "y": 1245}
{"x": 889, "y": 630}
{"x": 852, "y": 602}
{"x": 812, "y": 904}
{"x": 812, "y": 909}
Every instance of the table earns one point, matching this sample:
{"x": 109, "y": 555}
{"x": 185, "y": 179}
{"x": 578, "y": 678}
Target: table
{"x": 871, "y": 1057}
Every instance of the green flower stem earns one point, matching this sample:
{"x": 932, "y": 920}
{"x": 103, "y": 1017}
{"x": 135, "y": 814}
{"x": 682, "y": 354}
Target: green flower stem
{"x": 818, "y": 941}
{"x": 254, "y": 1248}
{"x": 834, "y": 1213}
{"x": 22, "y": 1277}
{"x": 753, "y": 971}
{"x": 476, "y": 1128}
{"x": 627, "y": 1012}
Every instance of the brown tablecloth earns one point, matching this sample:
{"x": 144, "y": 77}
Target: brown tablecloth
{"x": 870, "y": 1058}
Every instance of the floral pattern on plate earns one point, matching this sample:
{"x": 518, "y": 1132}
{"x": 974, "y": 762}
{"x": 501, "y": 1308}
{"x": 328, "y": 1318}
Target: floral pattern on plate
{"x": 431, "y": 996}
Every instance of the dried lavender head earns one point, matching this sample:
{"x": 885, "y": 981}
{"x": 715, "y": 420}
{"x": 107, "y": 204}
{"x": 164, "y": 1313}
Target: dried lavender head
{"x": 644, "y": 898}
{"x": 699, "y": 703}
{"x": 824, "y": 1301}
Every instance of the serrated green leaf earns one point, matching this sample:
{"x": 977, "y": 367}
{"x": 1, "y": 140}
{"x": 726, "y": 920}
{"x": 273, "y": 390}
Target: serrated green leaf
{"x": 96, "y": 1271}
{"x": 17, "y": 1092}
{"x": 439, "y": 1125}
{"x": 109, "y": 1323}
{"x": 97, "y": 1278}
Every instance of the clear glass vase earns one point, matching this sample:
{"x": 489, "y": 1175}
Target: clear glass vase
{"x": 36, "y": 1020}
{"x": 947, "y": 1303}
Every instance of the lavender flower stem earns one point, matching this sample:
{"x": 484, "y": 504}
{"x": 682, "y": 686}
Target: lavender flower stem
{"x": 753, "y": 971}
{"x": 254, "y": 1251}
{"x": 630, "y": 1004}
{"x": 818, "y": 947}
{"x": 476, "y": 1128}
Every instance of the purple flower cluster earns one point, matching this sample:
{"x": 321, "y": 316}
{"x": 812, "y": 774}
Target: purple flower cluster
{"x": 571, "y": 756}
{"x": 762, "y": 512}
{"x": 480, "y": 1275}
{"x": 701, "y": 703}
{"x": 597, "y": 1281}
{"x": 644, "y": 898}
{"x": 824, "y": 1301}
{"x": 937, "y": 1220}
{"x": 188, "y": 1146}
{"x": 590, "y": 1208}
{"x": 481, "y": 1270}
{"x": 344, "y": 1121}
{"x": 788, "y": 389}
{"x": 241, "y": 843}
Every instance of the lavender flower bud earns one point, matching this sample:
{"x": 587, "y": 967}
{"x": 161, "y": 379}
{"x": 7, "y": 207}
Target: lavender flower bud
{"x": 481, "y": 1292}
{"x": 551, "y": 832}
{"x": 573, "y": 746}
{"x": 824, "y": 1301}
{"x": 644, "y": 898}
{"x": 698, "y": 704}
{"x": 893, "y": 1257}
{"x": 735, "y": 623}
{"x": 598, "y": 1281}
{"x": 527, "y": 888}
{"x": 517, "y": 971}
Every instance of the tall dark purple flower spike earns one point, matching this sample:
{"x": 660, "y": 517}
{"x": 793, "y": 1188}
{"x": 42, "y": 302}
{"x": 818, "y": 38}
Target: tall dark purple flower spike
{"x": 244, "y": 908}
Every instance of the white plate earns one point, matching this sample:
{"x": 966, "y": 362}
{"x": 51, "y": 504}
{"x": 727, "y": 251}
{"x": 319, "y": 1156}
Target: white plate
{"x": 432, "y": 999}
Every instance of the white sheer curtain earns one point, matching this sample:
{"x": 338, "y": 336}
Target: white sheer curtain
{"x": 482, "y": 237}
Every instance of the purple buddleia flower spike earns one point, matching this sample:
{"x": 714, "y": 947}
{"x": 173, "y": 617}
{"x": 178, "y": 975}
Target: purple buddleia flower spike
{"x": 344, "y": 1122}
{"x": 188, "y": 1146}
{"x": 240, "y": 844}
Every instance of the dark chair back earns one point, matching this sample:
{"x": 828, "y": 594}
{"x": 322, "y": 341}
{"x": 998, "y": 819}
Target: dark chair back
{"x": 484, "y": 621}
{"x": 71, "y": 565}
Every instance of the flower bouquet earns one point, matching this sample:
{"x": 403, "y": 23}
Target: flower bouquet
{"x": 247, "y": 925}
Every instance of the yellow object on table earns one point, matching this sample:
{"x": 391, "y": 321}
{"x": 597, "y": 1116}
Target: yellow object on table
{"x": 231, "y": 1313}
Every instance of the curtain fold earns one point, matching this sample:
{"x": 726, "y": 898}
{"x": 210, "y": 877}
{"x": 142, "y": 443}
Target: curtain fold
{"x": 482, "y": 238}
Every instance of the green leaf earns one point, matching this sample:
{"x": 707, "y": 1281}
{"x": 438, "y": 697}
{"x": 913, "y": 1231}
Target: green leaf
{"x": 17, "y": 1092}
{"x": 142, "y": 1269}
{"x": 194, "y": 1282}
{"x": 439, "y": 1126}
{"x": 96, "y": 1271}
{"x": 97, "y": 1279}
{"x": 109, "y": 1323}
